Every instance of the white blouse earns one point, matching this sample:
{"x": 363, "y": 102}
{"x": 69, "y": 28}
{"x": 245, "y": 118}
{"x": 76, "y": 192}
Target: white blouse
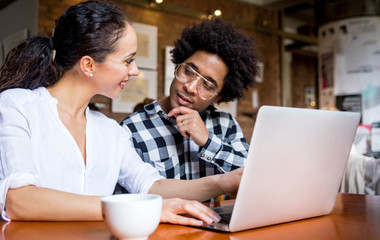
{"x": 37, "y": 149}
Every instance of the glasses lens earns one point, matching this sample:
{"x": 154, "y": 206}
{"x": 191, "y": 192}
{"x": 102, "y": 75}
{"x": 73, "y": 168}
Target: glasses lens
{"x": 206, "y": 89}
{"x": 185, "y": 74}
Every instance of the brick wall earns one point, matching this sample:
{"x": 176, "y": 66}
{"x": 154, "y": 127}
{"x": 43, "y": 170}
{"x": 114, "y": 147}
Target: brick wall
{"x": 169, "y": 28}
{"x": 303, "y": 75}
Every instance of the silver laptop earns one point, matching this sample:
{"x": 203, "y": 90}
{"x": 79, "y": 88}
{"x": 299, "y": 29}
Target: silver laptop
{"x": 294, "y": 167}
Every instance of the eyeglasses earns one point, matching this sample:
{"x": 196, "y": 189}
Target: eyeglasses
{"x": 206, "y": 89}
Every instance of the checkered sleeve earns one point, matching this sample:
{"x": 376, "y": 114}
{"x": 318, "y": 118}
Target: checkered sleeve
{"x": 226, "y": 147}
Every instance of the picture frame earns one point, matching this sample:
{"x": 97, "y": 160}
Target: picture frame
{"x": 255, "y": 99}
{"x": 146, "y": 55}
{"x": 135, "y": 91}
{"x": 169, "y": 70}
{"x": 309, "y": 92}
{"x": 260, "y": 73}
{"x": 230, "y": 107}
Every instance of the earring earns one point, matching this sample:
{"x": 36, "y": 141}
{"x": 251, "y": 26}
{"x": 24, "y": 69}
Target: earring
{"x": 91, "y": 75}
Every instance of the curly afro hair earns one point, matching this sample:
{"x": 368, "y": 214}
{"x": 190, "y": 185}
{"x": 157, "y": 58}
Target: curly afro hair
{"x": 235, "y": 49}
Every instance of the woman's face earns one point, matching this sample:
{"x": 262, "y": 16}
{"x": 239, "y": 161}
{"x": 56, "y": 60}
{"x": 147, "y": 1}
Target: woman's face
{"x": 112, "y": 75}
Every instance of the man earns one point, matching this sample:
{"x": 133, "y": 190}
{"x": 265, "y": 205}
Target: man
{"x": 183, "y": 135}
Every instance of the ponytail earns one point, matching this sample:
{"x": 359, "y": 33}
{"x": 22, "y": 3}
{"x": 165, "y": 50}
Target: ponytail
{"x": 29, "y": 65}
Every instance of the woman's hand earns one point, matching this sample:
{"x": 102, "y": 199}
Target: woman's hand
{"x": 174, "y": 211}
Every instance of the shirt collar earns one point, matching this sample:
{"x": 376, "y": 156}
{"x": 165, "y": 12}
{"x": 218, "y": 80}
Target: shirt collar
{"x": 155, "y": 108}
{"x": 152, "y": 108}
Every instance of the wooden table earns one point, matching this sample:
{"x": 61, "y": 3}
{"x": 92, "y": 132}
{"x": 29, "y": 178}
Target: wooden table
{"x": 354, "y": 217}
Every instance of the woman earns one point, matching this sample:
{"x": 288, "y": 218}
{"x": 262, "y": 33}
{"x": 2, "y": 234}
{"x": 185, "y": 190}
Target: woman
{"x": 58, "y": 157}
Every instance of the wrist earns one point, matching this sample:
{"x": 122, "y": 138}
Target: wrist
{"x": 205, "y": 141}
{"x": 217, "y": 182}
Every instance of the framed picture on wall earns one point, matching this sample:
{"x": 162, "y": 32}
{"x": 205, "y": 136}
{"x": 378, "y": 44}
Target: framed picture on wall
{"x": 135, "y": 91}
{"x": 255, "y": 98}
{"x": 229, "y": 107}
{"x": 169, "y": 70}
{"x": 260, "y": 74}
{"x": 146, "y": 56}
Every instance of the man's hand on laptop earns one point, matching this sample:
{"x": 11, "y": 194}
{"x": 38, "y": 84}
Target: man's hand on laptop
{"x": 229, "y": 182}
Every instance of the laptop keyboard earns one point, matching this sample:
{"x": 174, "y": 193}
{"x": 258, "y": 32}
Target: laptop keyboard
{"x": 225, "y": 218}
{"x": 224, "y": 212}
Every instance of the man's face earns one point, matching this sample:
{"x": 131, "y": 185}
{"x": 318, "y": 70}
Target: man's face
{"x": 212, "y": 68}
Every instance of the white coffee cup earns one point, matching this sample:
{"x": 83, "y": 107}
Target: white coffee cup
{"x": 132, "y": 216}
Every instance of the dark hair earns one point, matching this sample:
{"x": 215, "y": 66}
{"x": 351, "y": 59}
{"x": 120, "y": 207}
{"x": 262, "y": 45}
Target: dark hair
{"x": 235, "y": 49}
{"x": 86, "y": 29}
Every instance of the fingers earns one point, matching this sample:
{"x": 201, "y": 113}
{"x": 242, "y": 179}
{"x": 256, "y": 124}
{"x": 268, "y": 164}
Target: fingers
{"x": 190, "y": 209}
{"x": 182, "y": 128}
{"x": 200, "y": 211}
{"x": 182, "y": 220}
{"x": 185, "y": 119}
{"x": 181, "y": 114}
{"x": 190, "y": 124}
{"x": 185, "y": 123}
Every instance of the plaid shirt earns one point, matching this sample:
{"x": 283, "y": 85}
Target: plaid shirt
{"x": 158, "y": 142}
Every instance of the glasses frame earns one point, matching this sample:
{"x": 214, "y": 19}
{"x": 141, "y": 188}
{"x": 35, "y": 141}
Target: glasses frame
{"x": 198, "y": 78}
